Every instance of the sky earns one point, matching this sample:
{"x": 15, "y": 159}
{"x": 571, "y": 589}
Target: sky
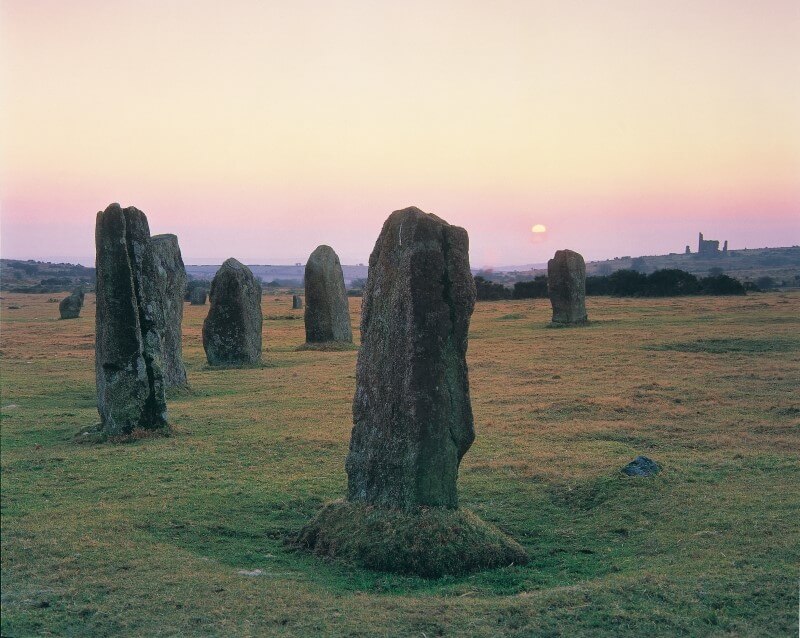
{"x": 261, "y": 129}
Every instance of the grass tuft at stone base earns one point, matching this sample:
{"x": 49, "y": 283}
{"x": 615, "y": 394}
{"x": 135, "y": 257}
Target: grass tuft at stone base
{"x": 430, "y": 542}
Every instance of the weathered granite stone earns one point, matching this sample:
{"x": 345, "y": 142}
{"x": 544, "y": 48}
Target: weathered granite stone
{"x": 327, "y": 315}
{"x": 297, "y": 302}
{"x": 70, "y": 307}
{"x": 566, "y": 285}
{"x": 411, "y": 411}
{"x": 128, "y": 351}
{"x": 232, "y": 329}
{"x": 198, "y": 297}
{"x": 641, "y": 466}
{"x": 169, "y": 286}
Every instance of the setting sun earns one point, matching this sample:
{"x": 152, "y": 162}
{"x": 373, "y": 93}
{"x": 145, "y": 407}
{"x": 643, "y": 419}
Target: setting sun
{"x": 539, "y": 228}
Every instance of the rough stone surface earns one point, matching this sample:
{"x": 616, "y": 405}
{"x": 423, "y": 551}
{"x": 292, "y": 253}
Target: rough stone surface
{"x": 327, "y": 315}
{"x": 641, "y": 466}
{"x": 232, "y": 329}
{"x": 198, "y": 297}
{"x": 70, "y": 307}
{"x": 128, "y": 348}
{"x": 169, "y": 286}
{"x": 411, "y": 411}
{"x": 566, "y": 285}
{"x": 297, "y": 302}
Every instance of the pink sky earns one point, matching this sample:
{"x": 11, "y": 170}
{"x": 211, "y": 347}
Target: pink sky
{"x": 262, "y": 129}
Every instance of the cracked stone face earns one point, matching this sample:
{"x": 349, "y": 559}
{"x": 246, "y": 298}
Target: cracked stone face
{"x": 566, "y": 285}
{"x": 412, "y": 417}
{"x": 128, "y": 341}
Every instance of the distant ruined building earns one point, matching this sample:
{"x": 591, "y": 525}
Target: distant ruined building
{"x": 710, "y": 247}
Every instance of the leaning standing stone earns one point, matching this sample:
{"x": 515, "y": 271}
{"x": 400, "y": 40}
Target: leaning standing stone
{"x": 566, "y": 285}
{"x": 412, "y": 414}
{"x": 128, "y": 349}
{"x": 70, "y": 307}
{"x": 327, "y": 315}
{"x": 297, "y": 302}
{"x": 170, "y": 284}
{"x": 232, "y": 329}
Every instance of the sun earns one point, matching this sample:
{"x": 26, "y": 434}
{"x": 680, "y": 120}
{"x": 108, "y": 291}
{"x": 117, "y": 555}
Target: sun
{"x": 539, "y": 228}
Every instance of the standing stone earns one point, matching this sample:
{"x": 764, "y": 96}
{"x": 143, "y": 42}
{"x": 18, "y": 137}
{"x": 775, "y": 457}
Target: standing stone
{"x": 128, "y": 349}
{"x": 170, "y": 284}
{"x": 327, "y": 314}
{"x": 198, "y": 297}
{"x": 297, "y": 302}
{"x": 70, "y": 307}
{"x": 566, "y": 285}
{"x": 232, "y": 329}
{"x": 411, "y": 411}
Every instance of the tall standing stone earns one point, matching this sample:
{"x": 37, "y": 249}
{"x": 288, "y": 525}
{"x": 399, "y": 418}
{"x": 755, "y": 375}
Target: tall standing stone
{"x": 297, "y": 302}
{"x": 232, "y": 329}
{"x": 411, "y": 411}
{"x": 170, "y": 286}
{"x": 128, "y": 351}
{"x": 327, "y": 315}
{"x": 70, "y": 307}
{"x": 566, "y": 285}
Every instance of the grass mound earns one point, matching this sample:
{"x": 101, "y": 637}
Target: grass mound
{"x": 430, "y": 542}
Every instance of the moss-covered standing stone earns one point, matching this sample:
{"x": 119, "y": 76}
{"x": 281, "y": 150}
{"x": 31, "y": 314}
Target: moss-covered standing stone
{"x": 412, "y": 413}
{"x": 128, "y": 349}
{"x": 170, "y": 283}
{"x": 70, "y": 307}
{"x": 232, "y": 329}
{"x": 327, "y": 315}
{"x": 566, "y": 285}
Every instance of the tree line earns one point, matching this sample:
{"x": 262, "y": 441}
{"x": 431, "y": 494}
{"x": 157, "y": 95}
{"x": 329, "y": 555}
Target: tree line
{"x": 670, "y": 282}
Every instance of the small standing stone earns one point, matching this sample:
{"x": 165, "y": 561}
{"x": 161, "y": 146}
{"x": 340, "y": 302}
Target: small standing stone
{"x": 170, "y": 283}
{"x": 327, "y": 315}
{"x": 641, "y": 466}
{"x": 198, "y": 297}
{"x": 232, "y": 329}
{"x": 566, "y": 285}
{"x": 297, "y": 302}
{"x": 128, "y": 346}
{"x": 70, "y": 307}
{"x": 411, "y": 412}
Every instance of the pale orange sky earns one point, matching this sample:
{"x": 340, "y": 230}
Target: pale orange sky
{"x": 262, "y": 129}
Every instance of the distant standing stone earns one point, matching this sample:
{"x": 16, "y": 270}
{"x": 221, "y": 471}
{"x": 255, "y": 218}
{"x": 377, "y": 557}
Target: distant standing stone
{"x": 327, "y": 316}
{"x": 70, "y": 307}
{"x": 232, "y": 329}
{"x": 411, "y": 411}
{"x": 170, "y": 284}
{"x": 198, "y": 297}
{"x": 566, "y": 285}
{"x": 128, "y": 350}
{"x": 641, "y": 466}
{"x": 297, "y": 302}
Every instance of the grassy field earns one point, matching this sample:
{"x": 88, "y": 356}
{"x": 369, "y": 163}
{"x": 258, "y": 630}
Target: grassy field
{"x": 184, "y": 536}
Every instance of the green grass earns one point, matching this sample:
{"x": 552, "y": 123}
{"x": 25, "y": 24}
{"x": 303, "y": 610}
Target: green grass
{"x": 163, "y": 536}
{"x": 735, "y": 345}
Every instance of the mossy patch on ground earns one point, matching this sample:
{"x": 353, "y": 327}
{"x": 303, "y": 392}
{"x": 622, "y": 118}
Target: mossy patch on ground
{"x": 428, "y": 541}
